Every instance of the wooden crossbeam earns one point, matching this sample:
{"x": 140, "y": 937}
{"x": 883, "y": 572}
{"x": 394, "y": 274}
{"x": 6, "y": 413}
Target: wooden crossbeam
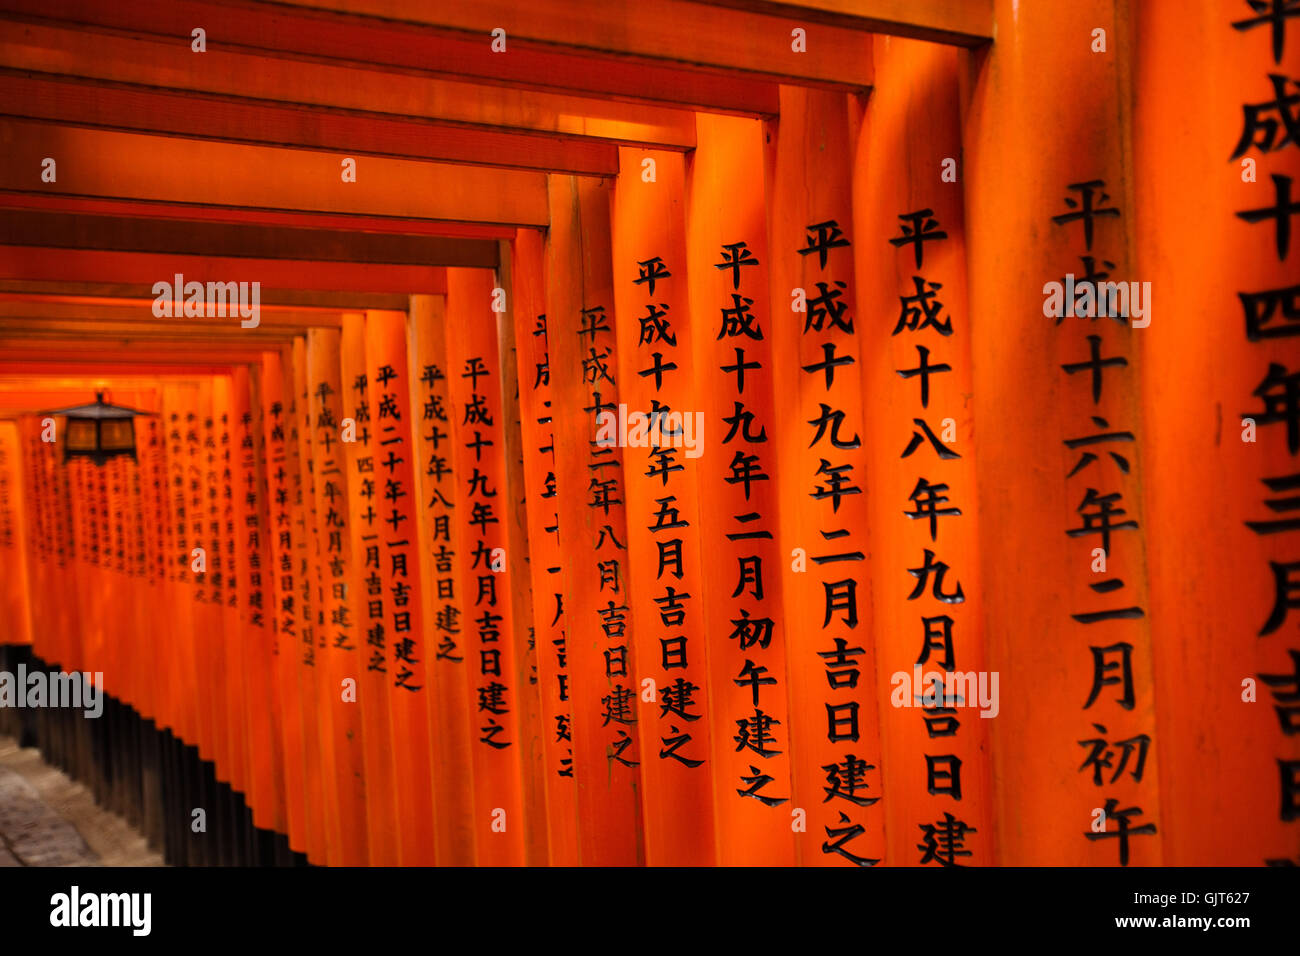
{"x": 681, "y": 32}
{"x": 391, "y": 225}
{"x": 347, "y": 132}
{"x": 134, "y": 234}
{"x": 965, "y": 23}
{"x": 409, "y": 48}
{"x": 94, "y": 266}
{"x": 103, "y": 368}
{"x": 179, "y": 352}
{"x": 159, "y": 332}
{"x": 170, "y": 64}
{"x": 271, "y": 297}
{"x": 106, "y": 164}
{"x": 36, "y": 309}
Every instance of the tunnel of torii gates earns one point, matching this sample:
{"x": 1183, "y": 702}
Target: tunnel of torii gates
{"x": 409, "y": 568}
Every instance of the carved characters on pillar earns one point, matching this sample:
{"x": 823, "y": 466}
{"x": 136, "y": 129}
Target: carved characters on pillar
{"x": 835, "y": 442}
{"x": 1104, "y": 522}
{"x": 1272, "y": 314}
{"x": 925, "y": 319}
{"x": 435, "y": 421}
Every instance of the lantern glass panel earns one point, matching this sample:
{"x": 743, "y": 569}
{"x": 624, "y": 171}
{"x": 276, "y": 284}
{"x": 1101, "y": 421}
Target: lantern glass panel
{"x": 80, "y": 435}
{"x": 116, "y": 435}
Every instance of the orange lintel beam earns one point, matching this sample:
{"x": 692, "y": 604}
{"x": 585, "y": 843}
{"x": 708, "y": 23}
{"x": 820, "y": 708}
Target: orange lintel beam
{"x": 965, "y": 23}
{"x": 132, "y": 234}
{"x": 179, "y": 353}
{"x": 388, "y": 225}
{"x": 170, "y": 64}
{"x": 410, "y": 48}
{"x": 656, "y": 31}
{"x": 163, "y": 330}
{"x": 92, "y": 162}
{"x": 101, "y": 368}
{"x": 289, "y": 299}
{"x": 40, "y": 308}
{"x": 92, "y": 265}
{"x": 348, "y": 132}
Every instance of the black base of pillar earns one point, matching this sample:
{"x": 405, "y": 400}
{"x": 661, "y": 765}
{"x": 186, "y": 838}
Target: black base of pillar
{"x": 148, "y": 775}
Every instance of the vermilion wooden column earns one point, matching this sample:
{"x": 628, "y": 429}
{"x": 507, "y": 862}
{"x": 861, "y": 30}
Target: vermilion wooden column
{"x": 593, "y": 526}
{"x": 231, "y": 560}
{"x": 372, "y": 682}
{"x": 184, "y": 649}
{"x": 820, "y": 436}
{"x": 340, "y": 634}
{"x": 142, "y": 561}
{"x": 76, "y": 498}
{"x": 150, "y": 439}
{"x": 209, "y": 663}
{"x": 482, "y": 505}
{"x": 408, "y": 648}
{"x": 545, "y": 560}
{"x": 662, "y": 582}
{"x": 450, "y": 707}
{"x": 176, "y": 603}
{"x": 38, "y": 543}
{"x": 911, "y": 264}
{"x": 89, "y": 642}
{"x": 727, "y": 265}
{"x": 1220, "y": 509}
{"x": 1060, "y": 459}
{"x": 13, "y": 538}
{"x": 322, "y": 802}
{"x": 257, "y": 579}
{"x": 532, "y": 780}
{"x": 277, "y": 423}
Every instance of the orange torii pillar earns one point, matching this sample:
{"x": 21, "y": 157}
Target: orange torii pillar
{"x": 43, "y": 549}
{"x": 1209, "y": 181}
{"x": 545, "y": 560}
{"x": 727, "y": 268}
{"x": 340, "y": 634}
{"x": 206, "y": 529}
{"x": 277, "y": 424}
{"x": 183, "y": 436}
{"x": 356, "y": 434}
{"x": 407, "y": 650}
{"x": 322, "y": 801}
{"x": 439, "y": 504}
{"x": 175, "y": 620}
{"x": 478, "y": 463}
{"x": 1059, "y": 466}
{"x": 150, "y": 434}
{"x": 257, "y": 596}
{"x": 663, "y": 577}
{"x": 915, "y": 365}
{"x": 599, "y": 642}
{"x": 18, "y": 594}
{"x": 230, "y": 559}
{"x": 532, "y": 756}
{"x": 820, "y": 439}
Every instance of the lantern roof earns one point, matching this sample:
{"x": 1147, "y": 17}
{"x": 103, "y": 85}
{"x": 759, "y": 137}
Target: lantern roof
{"x": 98, "y": 409}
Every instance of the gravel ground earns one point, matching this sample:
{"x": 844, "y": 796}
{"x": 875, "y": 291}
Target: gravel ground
{"x": 48, "y": 819}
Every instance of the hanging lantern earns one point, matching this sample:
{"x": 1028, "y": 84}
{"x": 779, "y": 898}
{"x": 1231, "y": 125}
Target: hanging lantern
{"x": 98, "y": 431}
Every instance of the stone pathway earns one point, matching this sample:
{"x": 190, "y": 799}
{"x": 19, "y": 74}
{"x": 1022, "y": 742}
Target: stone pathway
{"x": 48, "y": 819}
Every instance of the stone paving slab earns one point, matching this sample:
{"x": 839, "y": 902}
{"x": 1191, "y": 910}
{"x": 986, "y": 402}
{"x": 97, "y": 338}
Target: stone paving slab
{"x": 32, "y": 832}
{"x": 111, "y": 839}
